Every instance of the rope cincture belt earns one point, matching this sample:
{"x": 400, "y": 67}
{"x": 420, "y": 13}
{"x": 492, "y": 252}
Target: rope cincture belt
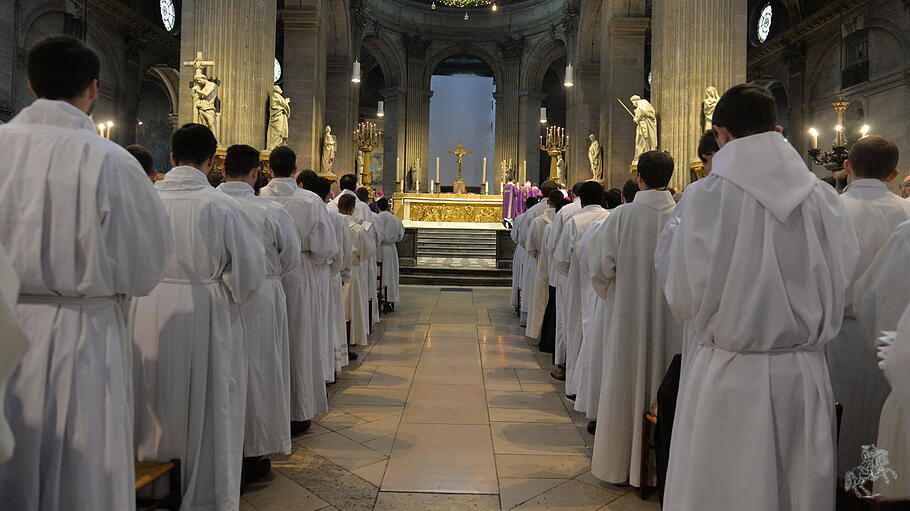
{"x": 772, "y": 351}
{"x": 63, "y": 300}
{"x": 190, "y": 281}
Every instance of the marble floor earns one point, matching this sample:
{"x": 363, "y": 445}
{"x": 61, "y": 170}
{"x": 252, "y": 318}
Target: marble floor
{"x": 449, "y": 409}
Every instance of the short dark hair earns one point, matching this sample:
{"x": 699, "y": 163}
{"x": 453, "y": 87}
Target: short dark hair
{"x": 193, "y": 143}
{"x": 555, "y": 197}
{"x": 548, "y": 186}
{"x": 308, "y": 179}
{"x": 61, "y": 68}
{"x": 323, "y": 187}
{"x": 590, "y": 192}
{"x": 215, "y": 178}
{"x": 629, "y": 190}
{"x": 348, "y": 182}
{"x": 363, "y": 194}
{"x": 530, "y": 202}
{"x": 283, "y": 161}
{"x": 655, "y": 168}
{"x": 383, "y": 204}
{"x": 707, "y": 144}
{"x": 746, "y": 109}
{"x": 873, "y": 157}
{"x": 612, "y": 198}
{"x": 143, "y": 156}
{"x": 576, "y": 188}
{"x": 346, "y": 202}
{"x": 240, "y": 160}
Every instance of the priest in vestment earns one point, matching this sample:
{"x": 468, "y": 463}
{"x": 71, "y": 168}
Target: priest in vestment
{"x": 190, "y": 367}
{"x": 392, "y": 233}
{"x": 759, "y": 264}
{"x": 523, "y": 235}
{"x": 590, "y": 195}
{"x": 264, "y": 316}
{"x": 875, "y": 212}
{"x": 84, "y": 231}
{"x": 511, "y": 200}
{"x": 363, "y": 247}
{"x": 302, "y": 286}
{"x": 374, "y": 227}
{"x": 519, "y": 260}
{"x": 341, "y": 275}
{"x": 538, "y": 283}
{"x": 348, "y": 185}
{"x": 895, "y": 362}
{"x": 641, "y": 335}
{"x": 557, "y": 280}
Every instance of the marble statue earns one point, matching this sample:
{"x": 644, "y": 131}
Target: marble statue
{"x": 359, "y": 163}
{"x": 710, "y": 102}
{"x": 279, "y": 111}
{"x": 411, "y": 178}
{"x": 561, "y": 169}
{"x": 597, "y": 170}
{"x": 205, "y": 95}
{"x": 329, "y": 147}
{"x": 645, "y": 119}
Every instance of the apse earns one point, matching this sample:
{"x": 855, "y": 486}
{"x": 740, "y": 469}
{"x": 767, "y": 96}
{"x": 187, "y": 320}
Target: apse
{"x": 462, "y": 109}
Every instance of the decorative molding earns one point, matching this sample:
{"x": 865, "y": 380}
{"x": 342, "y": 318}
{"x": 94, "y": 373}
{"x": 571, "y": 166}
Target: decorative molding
{"x": 795, "y": 57}
{"x": 416, "y": 45}
{"x": 359, "y": 16}
{"x": 570, "y": 17}
{"x": 511, "y": 48}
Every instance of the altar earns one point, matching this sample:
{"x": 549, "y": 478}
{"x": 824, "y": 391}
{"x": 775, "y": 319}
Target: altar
{"x": 448, "y": 207}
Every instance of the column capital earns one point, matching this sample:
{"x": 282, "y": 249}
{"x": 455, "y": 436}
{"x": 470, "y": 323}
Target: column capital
{"x": 393, "y": 93}
{"x": 629, "y": 26}
{"x": 530, "y": 95}
{"x": 300, "y": 18}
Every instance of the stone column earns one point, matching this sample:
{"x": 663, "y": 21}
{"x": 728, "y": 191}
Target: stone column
{"x": 584, "y": 118}
{"x": 795, "y": 57}
{"x": 622, "y": 74}
{"x": 393, "y": 143}
{"x": 239, "y": 35}
{"x": 529, "y": 133}
{"x": 339, "y": 112}
{"x": 304, "y": 80}
{"x": 695, "y": 44}
{"x": 124, "y": 132}
{"x": 508, "y": 114}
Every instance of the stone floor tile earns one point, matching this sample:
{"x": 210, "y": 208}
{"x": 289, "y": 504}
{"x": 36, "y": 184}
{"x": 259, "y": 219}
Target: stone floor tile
{"x": 517, "y": 490}
{"x": 392, "y": 377}
{"x": 528, "y": 415}
{"x": 449, "y": 371}
{"x": 388, "y": 501}
{"x": 446, "y": 404}
{"x": 536, "y": 438}
{"x": 277, "y": 493}
{"x": 330, "y": 482}
{"x": 370, "y": 396}
{"x": 501, "y": 379}
{"x": 382, "y": 445}
{"x": 370, "y": 413}
{"x": 631, "y": 502}
{"x": 618, "y": 489}
{"x": 542, "y": 466}
{"x": 341, "y": 450}
{"x": 556, "y": 386}
{"x": 534, "y": 400}
{"x": 335, "y": 420}
{"x": 569, "y": 496}
{"x": 372, "y": 430}
{"x": 372, "y": 473}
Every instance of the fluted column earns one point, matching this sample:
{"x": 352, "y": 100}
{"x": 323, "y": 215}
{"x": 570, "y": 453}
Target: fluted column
{"x": 304, "y": 80}
{"x": 529, "y": 133}
{"x": 584, "y": 119}
{"x": 340, "y": 114}
{"x": 393, "y": 141}
{"x": 507, "y": 123}
{"x": 239, "y": 35}
{"x": 695, "y": 44}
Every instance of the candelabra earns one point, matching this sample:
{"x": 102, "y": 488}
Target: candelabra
{"x": 554, "y": 143}
{"x": 833, "y": 160}
{"x": 366, "y": 138}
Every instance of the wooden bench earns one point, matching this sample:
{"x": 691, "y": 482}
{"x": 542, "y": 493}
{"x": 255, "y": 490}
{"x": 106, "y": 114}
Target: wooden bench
{"x": 148, "y": 472}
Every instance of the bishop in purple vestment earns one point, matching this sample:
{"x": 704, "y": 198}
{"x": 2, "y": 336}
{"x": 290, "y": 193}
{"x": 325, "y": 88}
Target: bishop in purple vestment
{"x": 511, "y": 200}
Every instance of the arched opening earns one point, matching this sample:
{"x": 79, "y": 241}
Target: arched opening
{"x": 370, "y": 94}
{"x": 153, "y": 128}
{"x": 554, "y": 99}
{"x": 463, "y": 110}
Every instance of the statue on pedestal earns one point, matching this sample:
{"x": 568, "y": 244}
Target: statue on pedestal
{"x": 359, "y": 165}
{"x": 710, "y": 102}
{"x": 279, "y": 111}
{"x": 205, "y": 94}
{"x": 329, "y": 147}
{"x": 561, "y": 169}
{"x": 594, "y": 157}
{"x": 411, "y": 178}
{"x": 645, "y": 119}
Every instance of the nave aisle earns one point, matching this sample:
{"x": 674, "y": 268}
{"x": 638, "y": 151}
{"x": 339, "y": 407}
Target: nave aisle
{"x": 450, "y": 409}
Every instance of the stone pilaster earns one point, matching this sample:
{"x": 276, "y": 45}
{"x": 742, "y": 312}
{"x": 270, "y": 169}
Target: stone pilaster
{"x": 508, "y": 112}
{"x": 695, "y": 44}
{"x": 584, "y": 117}
{"x": 393, "y": 143}
{"x": 529, "y": 141}
{"x": 304, "y": 80}
{"x": 416, "y": 109}
{"x": 622, "y": 74}
{"x": 340, "y": 113}
{"x": 239, "y": 35}
{"x": 795, "y": 56}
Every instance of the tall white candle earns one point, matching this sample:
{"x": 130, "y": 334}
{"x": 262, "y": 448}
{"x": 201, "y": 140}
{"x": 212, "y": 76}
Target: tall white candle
{"x": 437, "y": 169}
{"x": 484, "y": 178}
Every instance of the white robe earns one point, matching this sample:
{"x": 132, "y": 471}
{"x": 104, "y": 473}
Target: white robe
{"x": 538, "y": 283}
{"x": 362, "y": 250}
{"x": 307, "y": 289}
{"x": 896, "y": 423}
{"x": 362, "y": 212}
{"x": 881, "y": 296}
{"x": 265, "y": 327}
{"x": 759, "y": 264}
{"x": 84, "y": 230}
{"x": 374, "y": 228}
{"x": 557, "y": 279}
{"x": 574, "y": 287}
{"x": 530, "y": 273}
{"x": 13, "y": 345}
{"x": 190, "y": 369}
{"x": 857, "y": 382}
{"x": 641, "y": 335}
{"x": 519, "y": 257}
{"x": 393, "y": 232}
{"x": 341, "y": 275}
{"x": 587, "y": 377}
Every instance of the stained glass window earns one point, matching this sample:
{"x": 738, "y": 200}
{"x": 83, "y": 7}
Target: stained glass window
{"x": 277, "y": 70}
{"x": 168, "y": 14}
{"x": 764, "y": 23}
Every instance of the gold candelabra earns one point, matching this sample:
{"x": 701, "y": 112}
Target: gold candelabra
{"x": 366, "y": 138}
{"x": 833, "y": 160}
{"x": 554, "y": 143}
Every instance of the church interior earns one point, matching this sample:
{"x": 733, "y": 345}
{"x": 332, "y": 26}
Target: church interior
{"x": 462, "y": 115}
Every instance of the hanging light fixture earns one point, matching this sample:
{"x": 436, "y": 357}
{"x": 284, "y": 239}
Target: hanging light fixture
{"x": 466, "y": 17}
{"x": 570, "y": 78}
{"x": 495, "y": 8}
{"x": 355, "y": 76}
{"x": 380, "y": 109}
{"x": 543, "y": 115}
{"x": 433, "y": 5}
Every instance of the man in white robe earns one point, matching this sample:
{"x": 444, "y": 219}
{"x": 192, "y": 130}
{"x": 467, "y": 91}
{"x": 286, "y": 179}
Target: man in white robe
{"x": 306, "y": 291}
{"x": 519, "y": 257}
{"x": 557, "y": 280}
{"x": 895, "y": 436}
{"x": 875, "y": 212}
{"x": 190, "y": 368}
{"x": 362, "y": 249}
{"x": 590, "y": 195}
{"x": 348, "y": 185}
{"x": 264, "y": 317}
{"x": 374, "y": 227}
{"x": 538, "y": 284}
{"x": 641, "y": 335}
{"x": 759, "y": 264}
{"x": 84, "y": 231}
{"x": 393, "y": 232}
{"x": 530, "y": 272}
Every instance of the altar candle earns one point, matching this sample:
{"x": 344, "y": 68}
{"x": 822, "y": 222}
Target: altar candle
{"x": 437, "y": 169}
{"x": 484, "y": 178}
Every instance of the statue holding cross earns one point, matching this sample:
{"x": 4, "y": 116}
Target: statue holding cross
{"x": 205, "y": 94}
{"x": 459, "y": 153}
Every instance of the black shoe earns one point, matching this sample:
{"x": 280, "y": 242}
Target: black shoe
{"x": 570, "y": 398}
{"x": 592, "y": 426}
{"x": 254, "y": 469}
{"x": 298, "y": 427}
{"x": 352, "y": 355}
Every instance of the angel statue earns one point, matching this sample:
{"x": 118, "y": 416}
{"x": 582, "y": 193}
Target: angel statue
{"x": 279, "y": 111}
{"x": 710, "y": 102}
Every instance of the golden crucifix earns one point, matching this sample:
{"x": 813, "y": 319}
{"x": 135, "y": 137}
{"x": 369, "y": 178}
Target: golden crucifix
{"x": 459, "y": 152}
